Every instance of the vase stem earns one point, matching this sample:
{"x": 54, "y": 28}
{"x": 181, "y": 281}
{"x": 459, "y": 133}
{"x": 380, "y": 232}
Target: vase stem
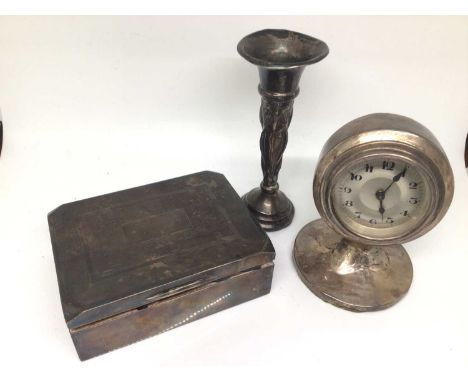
{"x": 275, "y": 116}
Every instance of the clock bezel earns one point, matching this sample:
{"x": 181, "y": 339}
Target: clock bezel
{"x": 406, "y": 140}
{"x": 361, "y": 232}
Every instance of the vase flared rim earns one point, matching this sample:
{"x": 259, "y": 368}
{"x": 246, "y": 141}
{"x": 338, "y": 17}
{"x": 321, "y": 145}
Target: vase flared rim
{"x": 281, "y": 48}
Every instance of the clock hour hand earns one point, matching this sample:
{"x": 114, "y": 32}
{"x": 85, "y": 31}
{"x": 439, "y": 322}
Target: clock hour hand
{"x": 380, "y": 195}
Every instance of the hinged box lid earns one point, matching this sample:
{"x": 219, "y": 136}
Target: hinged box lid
{"x": 123, "y": 250}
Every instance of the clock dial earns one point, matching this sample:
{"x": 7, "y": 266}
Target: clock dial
{"x": 380, "y": 198}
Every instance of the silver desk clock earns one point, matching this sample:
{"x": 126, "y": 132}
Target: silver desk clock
{"x": 381, "y": 180}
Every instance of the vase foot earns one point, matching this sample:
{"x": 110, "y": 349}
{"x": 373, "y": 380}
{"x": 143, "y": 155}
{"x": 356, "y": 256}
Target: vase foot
{"x": 272, "y": 210}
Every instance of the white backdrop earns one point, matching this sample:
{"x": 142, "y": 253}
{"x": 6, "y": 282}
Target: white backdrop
{"x": 94, "y": 105}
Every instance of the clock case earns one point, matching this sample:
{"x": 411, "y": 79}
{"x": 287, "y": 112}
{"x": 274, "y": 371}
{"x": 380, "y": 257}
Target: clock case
{"x": 346, "y": 269}
{"x": 142, "y": 261}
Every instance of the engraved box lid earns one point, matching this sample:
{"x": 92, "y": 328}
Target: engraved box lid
{"x": 126, "y": 249}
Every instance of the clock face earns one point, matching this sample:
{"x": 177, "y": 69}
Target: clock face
{"x": 381, "y": 198}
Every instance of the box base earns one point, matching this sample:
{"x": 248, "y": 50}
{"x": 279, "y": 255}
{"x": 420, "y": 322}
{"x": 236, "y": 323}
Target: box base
{"x": 154, "y": 318}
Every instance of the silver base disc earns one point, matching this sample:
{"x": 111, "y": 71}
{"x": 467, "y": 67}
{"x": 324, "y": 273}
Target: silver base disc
{"x": 352, "y": 276}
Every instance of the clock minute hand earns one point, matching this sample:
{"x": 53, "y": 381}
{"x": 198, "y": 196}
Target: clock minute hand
{"x": 396, "y": 178}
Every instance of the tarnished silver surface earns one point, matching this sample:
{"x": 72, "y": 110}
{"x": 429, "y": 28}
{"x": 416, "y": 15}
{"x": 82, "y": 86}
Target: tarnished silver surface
{"x": 349, "y": 275}
{"x": 137, "y": 262}
{"x": 281, "y": 57}
{"x": 272, "y": 210}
